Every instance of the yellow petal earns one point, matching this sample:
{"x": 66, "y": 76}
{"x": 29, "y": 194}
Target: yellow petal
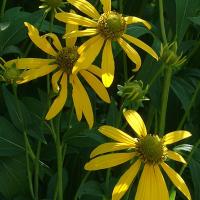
{"x": 161, "y": 188}
{"x": 136, "y": 122}
{"x": 85, "y": 7}
{"x": 89, "y": 54}
{"x": 106, "y": 5}
{"x": 175, "y": 136}
{"x": 39, "y": 41}
{"x": 86, "y": 32}
{"x": 176, "y": 180}
{"x": 95, "y": 70}
{"x": 96, "y": 85}
{"x": 59, "y": 102}
{"x": 77, "y": 103}
{"x": 107, "y": 65}
{"x": 175, "y": 156}
{"x": 110, "y": 147}
{"x": 86, "y": 104}
{"x": 72, "y": 18}
{"x": 107, "y": 161}
{"x": 55, "y": 40}
{"x": 125, "y": 181}
{"x": 133, "y": 20}
{"x": 131, "y": 53}
{"x": 70, "y": 41}
{"x": 31, "y": 63}
{"x": 54, "y": 81}
{"x": 117, "y": 134}
{"x": 32, "y": 74}
{"x": 141, "y": 45}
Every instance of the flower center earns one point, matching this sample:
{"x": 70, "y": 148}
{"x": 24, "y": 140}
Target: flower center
{"x": 66, "y": 58}
{"x": 111, "y": 25}
{"x": 151, "y": 149}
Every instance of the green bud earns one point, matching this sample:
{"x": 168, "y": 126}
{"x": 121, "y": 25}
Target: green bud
{"x": 49, "y": 5}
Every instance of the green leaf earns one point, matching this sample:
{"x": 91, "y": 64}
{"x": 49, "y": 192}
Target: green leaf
{"x": 195, "y": 20}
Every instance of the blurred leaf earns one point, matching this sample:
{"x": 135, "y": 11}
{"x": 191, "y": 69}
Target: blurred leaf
{"x": 4, "y": 26}
{"x": 12, "y": 49}
{"x": 195, "y": 20}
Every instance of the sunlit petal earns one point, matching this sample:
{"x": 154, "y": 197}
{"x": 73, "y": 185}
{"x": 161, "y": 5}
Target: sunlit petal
{"x": 54, "y": 81}
{"x": 70, "y": 41}
{"x": 55, "y": 40}
{"x": 133, "y": 20}
{"x": 175, "y": 156}
{"x": 95, "y": 70}
{"x": 106, "y": 5}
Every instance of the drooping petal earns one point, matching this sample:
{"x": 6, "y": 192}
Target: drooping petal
{"x": 70, "y": 41}
{"x": 131, "y": 53}
{"x": 141, "y": 45}
{"x": 106, "y": 5}
{"x": 89, "y": 54}
{"x": 59, "y": 102}
{"x": 125, "y": 181}
{"x": 32, "y": 74}
{"x": 85, "y": 7}
{"x": 109, "y": 147}
{"x": 175, "y": 136}
{"x": 175, "y": 156}
{"x": 31, "y": 63}
{"x": 117, "y": 134}
{"x": 136, "y": 122}
{"x": 86, "y": 104}
{"x": 107, "y": 161}
{"x": 107, "y": 65}
{"x": 176, "y": 180}
{"x": 162, "y": 191}
{"x": 72, "y": 18}
{"x": 95, "y": 70}
{"x": 86, "y": 32}
{"x": 133, "y": 20}
{"x": 55, "y": 40}
{"x": 96, "y": 85}
{"x": 54, "y": 81}
{"x": 39, "y": 41}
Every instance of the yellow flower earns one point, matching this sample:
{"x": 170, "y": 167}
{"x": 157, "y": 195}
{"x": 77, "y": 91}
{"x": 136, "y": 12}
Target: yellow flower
{"x": 147, "y": 151}
{"x": 64, "y": 60}
{"x": 105, "y": 28}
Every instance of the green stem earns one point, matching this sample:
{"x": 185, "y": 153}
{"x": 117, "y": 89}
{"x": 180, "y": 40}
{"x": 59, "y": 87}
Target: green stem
{"x": 3, "y": 6}
{"x": 37, "y": 168}
{"x": 187, "y": 112}
{"x": 108, "y": 173}
{"x": 164, "y": 99}
{"x": 82, "y": 183}
{"x": 162, "y": 24}
{"x": 121, "y": 6}
{"x": 125, "y": 67}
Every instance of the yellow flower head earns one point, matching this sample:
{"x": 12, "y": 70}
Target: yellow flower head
{"x": 147, "y": 151}
{"x": 105, "y": 28}
{"x": 65, "y": 63}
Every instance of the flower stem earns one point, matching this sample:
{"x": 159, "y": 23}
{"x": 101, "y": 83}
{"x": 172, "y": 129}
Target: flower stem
{"x": 3, "y": 6}
{"x": 187, "y": 112}
{"x": 162, "y": 24}
{"x": 164, "y": 99}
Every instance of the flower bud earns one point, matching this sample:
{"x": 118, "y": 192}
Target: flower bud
{"x": 51, "y": 5}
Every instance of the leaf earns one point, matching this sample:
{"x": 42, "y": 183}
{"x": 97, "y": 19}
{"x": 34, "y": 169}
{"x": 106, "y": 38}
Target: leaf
{"x": 195, "y": 20}
{"x": 4, "y": 26}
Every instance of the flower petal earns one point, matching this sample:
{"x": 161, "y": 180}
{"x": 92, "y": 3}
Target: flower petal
{"x": 141, "y": 45}
{"x": 176, "y": 136}
{"x": 70, "y": 41}
{"x": 133, "y": 20}
{"x": 32, "y": 74}
{"x": 117, "y": 135}
{"x": 77, "y": 33}
{"x": 54, "y": 81}
{"x": 72, "y": 18}
{"x": 107, "y": 161}
{"x": 131, "y": 53}
{"x": 95, "y": 70}
{"x": 136, "y": 122}
{"x": 107, "y": 65}
{"x": 176, "y": 180}
{"x": 125, "y": 181}
{"x": 175, "y": 156}
{"x": 31, "y": 63}
{"x": 96, "y": 85}
{"x": 85, "y": 7}
{"x": 55, "y": 40}
{"x": 39, "y": 41}
{"x": 110, "y": 147}
{"x": 86, "y": 104}
{"x": 106, "y": 5}
{"x": 59, "y": 102}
